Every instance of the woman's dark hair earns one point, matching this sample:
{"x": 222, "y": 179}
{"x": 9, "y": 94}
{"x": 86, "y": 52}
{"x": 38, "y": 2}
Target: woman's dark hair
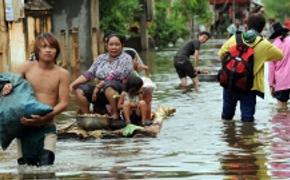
{"x": 121, "y": 38}
{"x": 134, "y": 83}
{"x": 131, "y": 53}
{"x": 256, "y": 22}
{"x": 283, "y": 36}
{"x": 43, "y": 38}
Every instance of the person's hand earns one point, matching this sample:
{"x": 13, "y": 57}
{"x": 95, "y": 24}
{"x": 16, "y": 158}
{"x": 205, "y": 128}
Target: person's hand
{"x": 35, "y": 120}
{"x": 71, "y": 88}
{"x": 7, "y": 89}
{"x": 144, "y": 67}
{"x": 31, "y": 121}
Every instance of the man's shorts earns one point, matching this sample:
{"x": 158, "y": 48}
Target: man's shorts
{"x": 184, "y": 69}
{"x": 282, "y": 95}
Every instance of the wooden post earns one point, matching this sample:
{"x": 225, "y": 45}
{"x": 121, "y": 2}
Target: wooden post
{"x": 4, "y": 63}
{"x": 48, "y": 24}
{"x": 143, "y": 28}
{"x": 37, "y": 26}
{"x": 75, "y": 60}
{"x": 64, "y": 52}
{"x": 30, "y": 35}
{"x": 95, "y": 31}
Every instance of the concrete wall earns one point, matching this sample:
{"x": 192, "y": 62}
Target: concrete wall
{"x": 74, "y": 14}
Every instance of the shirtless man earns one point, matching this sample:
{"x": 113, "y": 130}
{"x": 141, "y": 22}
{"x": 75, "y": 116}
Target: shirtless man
{"x": 51, "y": 86}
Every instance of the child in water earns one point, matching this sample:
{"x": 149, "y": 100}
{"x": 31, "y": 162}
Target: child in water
{"x": 133, "y": 107}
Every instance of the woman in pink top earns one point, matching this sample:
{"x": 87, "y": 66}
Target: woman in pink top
{"x": 279, "y": 73}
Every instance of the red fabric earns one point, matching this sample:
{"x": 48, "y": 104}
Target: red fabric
{"x": 287, "y": 23}
{"x": 228, "y": 1}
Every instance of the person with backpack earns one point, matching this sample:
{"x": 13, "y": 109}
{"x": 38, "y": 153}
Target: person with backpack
{"x": 261, "y": 50}
{"x": 182, "y": 63}
{"x": 279, "y": 74}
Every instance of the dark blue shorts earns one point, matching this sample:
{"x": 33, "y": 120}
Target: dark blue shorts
{"x": 88, "y": 90}
{"x": 282, "y": 95}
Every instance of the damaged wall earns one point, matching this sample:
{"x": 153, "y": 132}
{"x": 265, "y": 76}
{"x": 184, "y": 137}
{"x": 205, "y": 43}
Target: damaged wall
{"x": 71, "y": 24}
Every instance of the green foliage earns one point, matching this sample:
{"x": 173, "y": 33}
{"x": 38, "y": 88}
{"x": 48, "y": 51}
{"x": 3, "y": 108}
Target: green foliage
{"x": 173, "y": 18}
{"x": 117, "y": 15}
{"x": 168, "y": 25}
{"x": 278, "y": 9}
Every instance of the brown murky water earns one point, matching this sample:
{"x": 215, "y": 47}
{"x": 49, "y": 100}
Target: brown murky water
{"x": 193, "y": 144}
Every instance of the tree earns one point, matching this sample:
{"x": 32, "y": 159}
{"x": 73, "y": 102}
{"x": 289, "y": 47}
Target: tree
{"x": 173, "y": 19}
{"x": 117, "y": 15}
{"x": 278, "y": 9}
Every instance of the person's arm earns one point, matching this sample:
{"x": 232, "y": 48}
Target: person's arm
{"x": 63, "y": 100}
{"x": 225, "y": 47}
{"x": 22, "y": 69}
{"x": 97, "y": 88}
{"x": 274, "y": 53}
{"x": 87, "y": 75}
{"x": 121, "y": 100}
{"x": 63, "y": 94}
{"x": 81, "y": 79}
{"x": 271, "y": 77}
{"x": 196, "y": 58}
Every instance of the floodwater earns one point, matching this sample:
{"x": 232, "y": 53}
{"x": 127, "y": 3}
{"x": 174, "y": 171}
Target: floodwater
{"x": 193, "y": 144}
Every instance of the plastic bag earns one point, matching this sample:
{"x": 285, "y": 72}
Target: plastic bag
{"x": 21, "y": 102}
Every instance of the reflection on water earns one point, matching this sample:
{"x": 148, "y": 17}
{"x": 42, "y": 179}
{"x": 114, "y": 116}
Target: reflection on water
{"x": 280, "y": 149}
{"x": 193, "y": 144}
{"x": 246, "y": 158}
